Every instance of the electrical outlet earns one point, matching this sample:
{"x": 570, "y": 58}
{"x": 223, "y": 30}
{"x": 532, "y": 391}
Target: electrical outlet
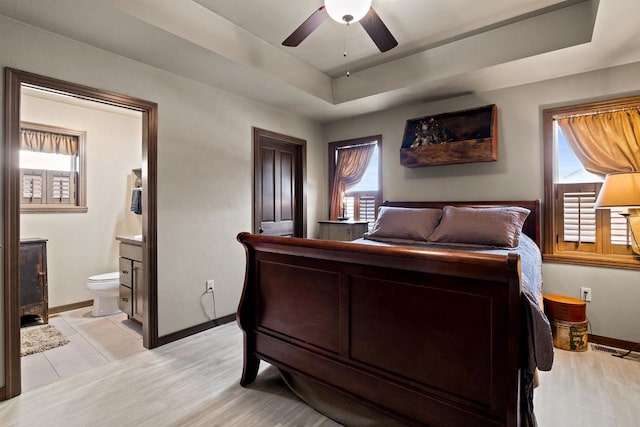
{"x": 210, "y": 285}
{"x": 585, "y": 294}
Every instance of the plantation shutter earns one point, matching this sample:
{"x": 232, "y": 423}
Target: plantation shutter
{"x": 619, "y": 229}
{"x": 582, "y": 228}
{"x": 350, "y": 204}
{"x": 61, "y": 187}
{"x": 577, "y": 216}
{"x": 362, "y": 206}
{"x": 367, "y": 208}
{"x": 33, "y": 186}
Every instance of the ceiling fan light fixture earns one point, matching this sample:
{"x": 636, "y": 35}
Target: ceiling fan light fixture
{"x": 347, "y": 11}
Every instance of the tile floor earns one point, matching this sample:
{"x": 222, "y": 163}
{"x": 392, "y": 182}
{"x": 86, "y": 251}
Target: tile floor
{"x": 95, "y": 341}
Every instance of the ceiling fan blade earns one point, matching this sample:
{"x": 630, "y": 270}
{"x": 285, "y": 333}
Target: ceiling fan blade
{"x": 307, "y": 27}
{"x": 378, "y": 32}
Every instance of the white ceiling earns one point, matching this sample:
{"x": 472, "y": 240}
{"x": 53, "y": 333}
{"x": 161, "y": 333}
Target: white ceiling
{"x": 446, "y": 47}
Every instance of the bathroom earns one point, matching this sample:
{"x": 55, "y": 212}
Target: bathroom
{"x": 82, "y": 244}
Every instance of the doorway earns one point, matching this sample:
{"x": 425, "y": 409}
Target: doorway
{"x": 279, "y": 184}
{"x": 15, "y": 80}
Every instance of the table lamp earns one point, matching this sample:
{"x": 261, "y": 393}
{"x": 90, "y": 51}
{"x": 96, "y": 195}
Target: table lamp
{"x": 622, "y": 190}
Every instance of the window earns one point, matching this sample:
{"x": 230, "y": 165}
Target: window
{"x": 582, "y": 144}
{"x": 355, "y": 178}
{"x": 52, "y": 169}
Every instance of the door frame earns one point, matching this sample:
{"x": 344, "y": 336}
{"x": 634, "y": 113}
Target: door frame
{"x": 14, "y": 79}
{"x": 300, "y": 210}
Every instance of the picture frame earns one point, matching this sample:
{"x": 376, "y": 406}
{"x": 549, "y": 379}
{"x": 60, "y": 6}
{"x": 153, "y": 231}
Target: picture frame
{"x": 465, "y": 136}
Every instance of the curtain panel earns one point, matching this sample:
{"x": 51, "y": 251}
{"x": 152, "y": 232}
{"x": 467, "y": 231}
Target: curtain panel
{"x": 47, "y": 142}
{"x": 351, "y": 165}
{"x": 605, "y": 142}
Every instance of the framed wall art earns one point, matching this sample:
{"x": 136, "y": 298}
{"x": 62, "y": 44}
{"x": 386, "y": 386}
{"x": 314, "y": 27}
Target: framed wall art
{"x": 466, "y": 136}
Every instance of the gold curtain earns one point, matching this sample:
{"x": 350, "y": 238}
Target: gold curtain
{"x": 605, "y": 142}
{"x": 47, "y": 142}
{"x": 350, "y": 167}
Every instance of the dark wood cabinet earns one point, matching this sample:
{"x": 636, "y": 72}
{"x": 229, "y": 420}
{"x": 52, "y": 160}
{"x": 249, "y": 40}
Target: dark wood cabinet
{"x": 34, "y": 295}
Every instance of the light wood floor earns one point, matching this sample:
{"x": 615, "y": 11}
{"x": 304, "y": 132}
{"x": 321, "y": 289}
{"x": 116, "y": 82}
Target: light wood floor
{"x": 194, "y": 382}
{"x": 589, "y": 388}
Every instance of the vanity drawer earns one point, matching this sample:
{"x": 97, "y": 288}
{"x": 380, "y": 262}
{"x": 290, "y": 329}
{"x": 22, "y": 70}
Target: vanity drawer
{"x": 126, "y": 272}
{"x": 133, "y": 252}
{"x": 125, "y": 300}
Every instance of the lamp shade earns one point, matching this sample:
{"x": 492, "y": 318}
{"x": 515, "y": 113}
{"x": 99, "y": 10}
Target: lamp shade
{"x": 620, "y": 189}
{"x": 354, "y": 9}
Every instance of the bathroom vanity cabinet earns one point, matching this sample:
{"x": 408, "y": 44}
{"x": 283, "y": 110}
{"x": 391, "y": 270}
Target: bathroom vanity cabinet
{"x": 131, "y": 294}
{"x": 34, "y": 295}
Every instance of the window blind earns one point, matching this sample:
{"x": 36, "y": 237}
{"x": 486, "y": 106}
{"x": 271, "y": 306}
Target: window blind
{"x": 40, "y": 187}
{"x": 367, "y": 208}
{"x": 361, "y": 206}
{"x": 350, "y": 203}
{"x": 61, "y": 188}
{"x": 32, "y": 186}
{"x": 579, "y": 217}
{"x": 619, "y": 229}
{"x": 583, "y": 228}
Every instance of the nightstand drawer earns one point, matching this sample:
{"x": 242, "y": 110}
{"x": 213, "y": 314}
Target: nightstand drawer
{"x": 342, "y": 230}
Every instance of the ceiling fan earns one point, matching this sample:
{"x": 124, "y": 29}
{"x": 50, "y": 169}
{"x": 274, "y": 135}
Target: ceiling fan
{"x": 346, "y": 12}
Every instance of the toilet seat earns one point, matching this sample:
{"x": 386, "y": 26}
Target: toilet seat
{"x": 104, "y": 281}
{"x": 110, "y": 277}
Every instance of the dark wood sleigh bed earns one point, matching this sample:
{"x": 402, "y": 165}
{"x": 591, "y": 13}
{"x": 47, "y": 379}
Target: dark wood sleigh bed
{"x": 429, "y": 337}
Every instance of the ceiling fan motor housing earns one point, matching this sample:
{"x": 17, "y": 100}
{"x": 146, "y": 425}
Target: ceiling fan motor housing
{"x": 347, "y": 11}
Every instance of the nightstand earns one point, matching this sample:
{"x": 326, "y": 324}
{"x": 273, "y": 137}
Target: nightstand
{"x": 342, "y": 230}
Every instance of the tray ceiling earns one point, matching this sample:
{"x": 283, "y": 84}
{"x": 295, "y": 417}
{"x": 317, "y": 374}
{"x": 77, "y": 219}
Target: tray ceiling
{"x": 446, "y": 48}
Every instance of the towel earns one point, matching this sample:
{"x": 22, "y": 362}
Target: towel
{"x": 136, "y": 201}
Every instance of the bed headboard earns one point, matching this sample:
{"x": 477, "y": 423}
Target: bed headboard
{"x": 531, "y": 226}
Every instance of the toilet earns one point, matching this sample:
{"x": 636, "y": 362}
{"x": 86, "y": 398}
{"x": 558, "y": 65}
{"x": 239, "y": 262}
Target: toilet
{"x": 105, "y": 289}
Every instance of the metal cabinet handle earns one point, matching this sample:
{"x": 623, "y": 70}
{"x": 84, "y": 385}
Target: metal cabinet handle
{"x": 124, "y": 272}
{"x": 260, "y": 230}
{"x": 124, "y": 299}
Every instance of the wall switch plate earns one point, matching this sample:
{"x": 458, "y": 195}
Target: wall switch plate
{"x": 585, "y": 294}
{"x": 210, "y": 285}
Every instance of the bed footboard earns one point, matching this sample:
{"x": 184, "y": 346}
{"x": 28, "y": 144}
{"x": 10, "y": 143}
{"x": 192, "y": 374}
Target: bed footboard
{"x": 429, "y": 337}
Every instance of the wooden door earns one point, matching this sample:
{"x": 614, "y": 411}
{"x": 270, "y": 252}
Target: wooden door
{"x": 279, "y": 179}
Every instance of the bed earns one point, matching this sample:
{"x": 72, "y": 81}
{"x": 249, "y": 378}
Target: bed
{"x": 439, "y": 335}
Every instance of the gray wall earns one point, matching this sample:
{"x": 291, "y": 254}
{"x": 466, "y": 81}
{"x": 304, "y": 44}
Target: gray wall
{"x": 205, "y": 167}
{"x": 518, "y": 174}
